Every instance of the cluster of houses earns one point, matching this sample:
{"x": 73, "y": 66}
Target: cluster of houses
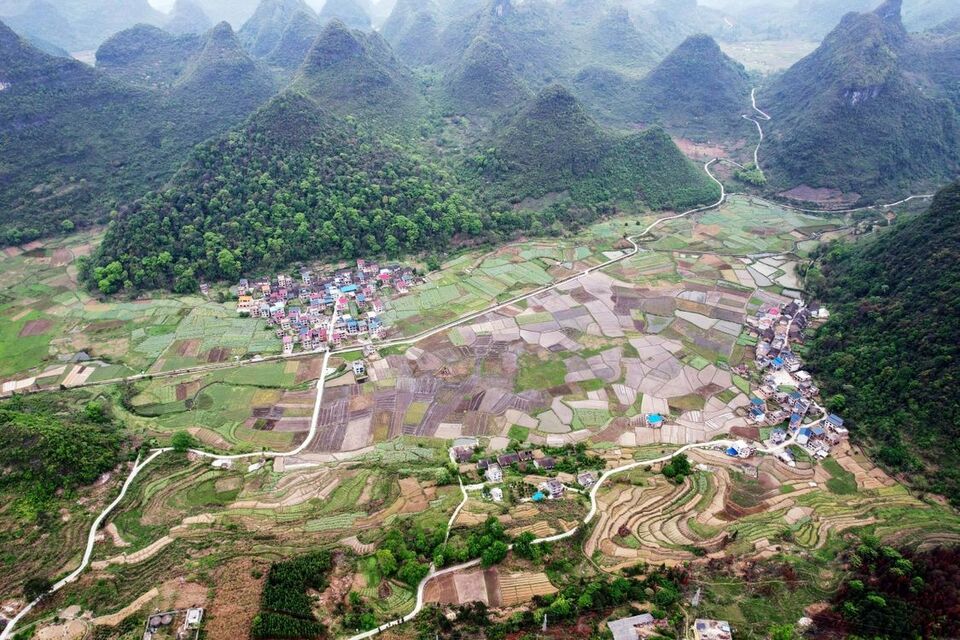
{"x": 492, "y": 471}
{"x": 787, "y": 394}
{"x": 300, "y": 309}
{"x": 776, "y": 327}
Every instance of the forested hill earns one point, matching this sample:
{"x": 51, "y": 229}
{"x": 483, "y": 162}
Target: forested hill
{"x": 890, "y": 355}
{"x": 294, "y": 183}
{"x": 298, "y": 183}
{"x": 865, "y": 113}
{"x": 552, "y": 145}
{"x": 76, "y": 141}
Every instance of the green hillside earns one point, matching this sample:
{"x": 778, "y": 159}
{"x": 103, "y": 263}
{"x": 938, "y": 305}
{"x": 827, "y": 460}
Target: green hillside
{"x": 74, "y": 142}
{"x": 551, "y": 145}
{"x": 862, "y": 113}
{"x": 484, "y": 81}
{"x": 147, "y": 56}
{"x": 413, "y": 30}
{"x": 352, "y": 73}
{"x": 261, "y": 34}
{"x": 697, "y": 86}
{"x": 890, "y": 348}
{"x": 293, "y": 184}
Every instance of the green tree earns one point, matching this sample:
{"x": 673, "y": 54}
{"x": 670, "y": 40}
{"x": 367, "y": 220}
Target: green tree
{"x": 182, "y": 441}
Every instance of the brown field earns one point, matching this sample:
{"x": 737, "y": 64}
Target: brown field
{"x": 218, "y": 354}
{"x": 35, "y": 328}
{"x": 189, "y": 348}
{"x": 188, "y": 389}
{"x": 236, "y": 600}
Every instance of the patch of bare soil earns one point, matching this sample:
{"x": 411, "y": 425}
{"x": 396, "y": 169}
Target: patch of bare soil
{"x": 827, "y": 198}
{"x": 218, "y": 354}
{"x": 187, "y": 348}
{"x": 35, "y": 328}
{"x": 702, "y": 150}
{"x": 236, "y": 599}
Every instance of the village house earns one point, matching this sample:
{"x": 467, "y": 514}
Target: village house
{"x": 635, "y": 627}
{"x": 586, "y": 479}
{"x": 494, "y": 473}
{"x": 553, "y": 489}
{"x": 704, "y": 629}
{"x": 545, "y": 463}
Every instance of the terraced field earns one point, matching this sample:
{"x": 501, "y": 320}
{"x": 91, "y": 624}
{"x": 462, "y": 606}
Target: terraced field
{"x": 751, "y": 509}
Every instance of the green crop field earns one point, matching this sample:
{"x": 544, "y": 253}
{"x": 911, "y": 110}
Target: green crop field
{"x": 540, "y": 374}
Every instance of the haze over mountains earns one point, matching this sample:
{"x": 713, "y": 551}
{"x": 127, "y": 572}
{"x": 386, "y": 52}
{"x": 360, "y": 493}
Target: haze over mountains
{"x": 873, "y": 112}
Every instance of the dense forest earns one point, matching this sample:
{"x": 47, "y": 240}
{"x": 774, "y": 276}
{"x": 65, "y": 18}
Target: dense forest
{"x": 897, "y": 594}
{"x": 50, "y": 446}
{"x": 889, "y": 358}
{"x": 286, "y": 610}
{"x": 294, "y": 184}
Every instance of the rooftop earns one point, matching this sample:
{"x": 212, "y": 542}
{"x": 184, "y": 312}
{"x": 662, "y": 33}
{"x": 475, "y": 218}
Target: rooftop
{"x": 626, "y": 628}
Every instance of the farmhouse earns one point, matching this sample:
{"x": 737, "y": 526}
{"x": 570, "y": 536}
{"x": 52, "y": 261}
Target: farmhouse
{"x": 711, "y": 629}
{"x": 546, "y": 464}
{"x": 632, "y": 628}
{"x": 586, "y": 479}
{"x": 494, "y": 473}
{"x": 553, "y": 489}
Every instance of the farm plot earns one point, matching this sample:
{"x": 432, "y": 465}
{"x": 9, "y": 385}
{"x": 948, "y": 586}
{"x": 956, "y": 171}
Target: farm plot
{"x": 48, "y": 318}
{"x": 239, "y": 409}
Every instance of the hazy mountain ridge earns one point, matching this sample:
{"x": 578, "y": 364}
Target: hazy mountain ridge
{"x": 85, "y": 138}
{"x": 862, "y": 113}
{"x": 351, "y": 72}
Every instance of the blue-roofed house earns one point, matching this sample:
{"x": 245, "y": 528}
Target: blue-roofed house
{"x": 777, "y": 363}
{"x": 803, "y": 436}
{"x": 757, "y": 402}
{"x": 654, "y": 420}
{"x": 732, "y": 452}
{"x": 795, "y": 420}
{"x": 349, "y": 288}
{"x": 834, "y": 420}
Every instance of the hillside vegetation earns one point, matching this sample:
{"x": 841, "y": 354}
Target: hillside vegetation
{"x": 864, "y": 113}
{"x": 889, "y": 356}
{"x": 295, "y": 183}
{"x": 552, "y": 145}
{"x": 75, "y": 142}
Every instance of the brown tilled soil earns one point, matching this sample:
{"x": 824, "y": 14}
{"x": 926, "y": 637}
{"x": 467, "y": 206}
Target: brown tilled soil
{"x": 750, "y": 433}
{"x": 103, "y": 325}
{"x": 309, "y": 370}
{"x": 218, "y": 354}
{"x": 189, "y": 348}
{"x": 188, "y": 389}
{"x": 236, "y": 600}
{"x": 35, "y": 328}
{"x": 62, "y": 257}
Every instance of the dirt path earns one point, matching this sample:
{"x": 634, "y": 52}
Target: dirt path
{"x": 114, "y": 619}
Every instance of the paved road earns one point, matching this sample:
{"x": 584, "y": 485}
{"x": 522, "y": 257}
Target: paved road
{"x": 91, "y": 538}
{"x": 754, "y": 119}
